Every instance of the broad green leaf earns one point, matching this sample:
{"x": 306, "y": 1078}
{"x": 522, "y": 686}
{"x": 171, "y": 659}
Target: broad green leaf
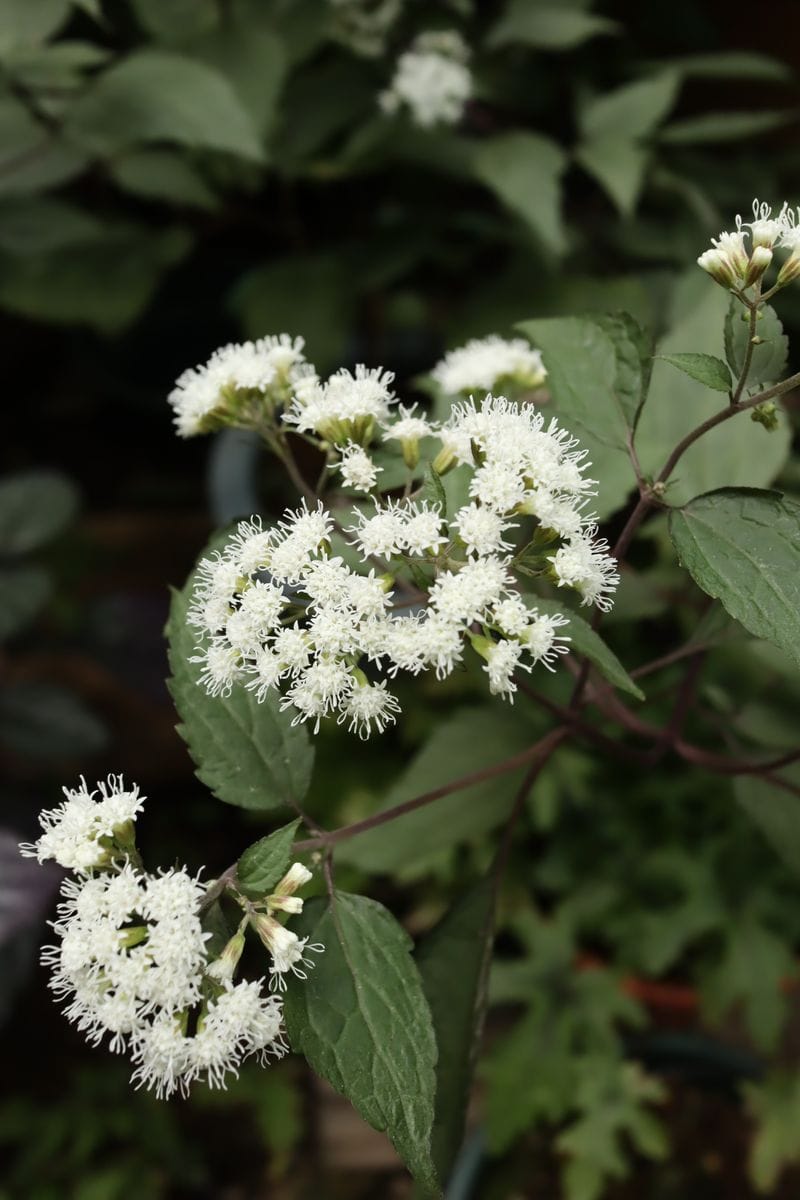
{"x": 177, "y": 19}
{"x": 632, "y": 111}
{"x": 768, "y": 363}
{"x": 742, "y": 546}
{"x": 547, "y": 26}
{"x": 58, "y": 65}
{"x": 584, "y": 640}
{"x": 524, "y": 171}
{"x": 723, "y": 127}
{"x": 162, "y": 175}
{"x": 247, "y": 753}
{"x": 215, "y": 923}
{"x": 362, "y": 1021}
{"x": 775, "y": 1105}
{"x": 253, "y": 59}
{"x": 775, "y": 811}
{"x": 23, "y": 593}
{"x": 35, "y": 225}
{"x": 619, "y": 165}
{"x": 633, "y": 350}
{"x": 726, "y": 64}
{"x": 263, "y": 864}
{"x": 459, "y": 947}
{"x": 154, "y": 96}
{"x": 20, "y": 134}
{"x": 735, "y": 453}
{"x": 29, "y": 22}
{"x": 45, "y": 162}
{"x": 467, "y": 741}
{"x": 705, "y": 368}
{"x": 35, "y": 506}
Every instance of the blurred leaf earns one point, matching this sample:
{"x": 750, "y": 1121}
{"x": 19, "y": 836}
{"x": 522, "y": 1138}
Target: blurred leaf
{"x": 742, "y": 546}
{"x": 155, "y": 96}
{"x": 58, "y": 66}
{"x": 774, "y": 811}
{"x": 632, "y": 111}
{"x": 524, "y": 171}
{"x": 618, "y": 164}
{"x": 42, "y": 720}
{"x": 23, "y": 592}
{"x": 584, "y": 640}
{"x": 724, "y": 127}
{"x": 263, "y": 863}
{"x": 547, "y": 26}
{"x": 467, "y": 741}
{"x": 362, "y": 1021}
{"x": 247, "y": 753}
{"x": 775, "y": 1106}
{"x": 35, "y": 506}
{"x": 725, "y": 64}
{"x": 26, "y": 23}
{"x": 460, "y": 946}
{"x": 162, "y": 175}
{"x": 319, "y": 104}
{"x": 177, "y": 19}
{"x": 705, "y": 368}
{"x": 254, "y": 61}
{"x": 35, "y": 225}
{"x": 43, "y": 163}
{"x": 769, "y": 359}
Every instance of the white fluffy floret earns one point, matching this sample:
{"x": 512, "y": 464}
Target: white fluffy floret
{"x": 346, "y": 407}
{"x": 357, "y": 469}
{"x": 79, "y": 833}
{"x": 584, "y": 564}
{"x": 432, "y": 80}
{"x": 203, "y": 395}
{"x": 486, "y": 363}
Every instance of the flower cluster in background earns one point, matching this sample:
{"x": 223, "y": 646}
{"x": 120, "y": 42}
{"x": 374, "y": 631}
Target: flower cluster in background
{"x": 131, "y": 960}
{"x": 431, "y": 79}
{"x": 276, "y": 608}
{"x": 733, "y": 265}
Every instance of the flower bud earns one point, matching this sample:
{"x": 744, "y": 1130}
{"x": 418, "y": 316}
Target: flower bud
{"x": 759, "y": 262}
{"x": 766, "y": 415}
{"x": 285, "y": 947}
{"x": 223, "y": 969}
{"x": 718, "y": 267}
{"x": 445, "y": 460}
{"x": 296, "y": 877}
{"x": 790, "y": 269}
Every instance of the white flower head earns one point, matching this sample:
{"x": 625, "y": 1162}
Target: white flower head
{"x": 344, "y": 409}
{"x": 484, "y": 364}
{"x": 432, "y": 80}
{"x": 80, "y": 833}
{"x": 357, "y": 469}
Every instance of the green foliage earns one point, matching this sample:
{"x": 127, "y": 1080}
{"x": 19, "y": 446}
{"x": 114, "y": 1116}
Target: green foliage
{"x": 775, "y": 810}
{"x": 263, "y": 863}
{"x": 743, "y": 547}
{"x": 585, "y": 641}
{"x": 705, "y": 368}
{"x": 247, "y": 753}
{"x": 362, "y": 1021}
{"x": 524, "y": 170}
{"x": 775, "y": 1106}
{"x": 548, "y": 26}
{"x": 768, "y": 362}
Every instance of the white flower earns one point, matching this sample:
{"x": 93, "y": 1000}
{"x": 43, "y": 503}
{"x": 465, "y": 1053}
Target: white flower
{"x": 502, "y": 659}
{"x": 486, "y": 363}
{"x": 287, "y": 949}
{"x": 221, "y": 667}
{"x": 369, "y": 705}
{"x": 381, "y": 535}
{"x": 481, "y": 530}
{"x": 542, "y": 641}
{"x": 357, "y": 469}
{"x": 432, "y": 80}
{"x": 422, "y": 528}
{"x": 440, "y": 644}
{"x": 79, "y": 834}
{"x": 205, "y": 396}
{"x": 407, "y": 427}
{"x": 465, "y": 596}
{"x": 585, "y": 564}
{"x": 344, "y": 409}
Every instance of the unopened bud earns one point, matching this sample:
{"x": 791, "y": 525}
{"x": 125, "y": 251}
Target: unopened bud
{"x": 759, "y": 261}
{"x": 790, "y": 269}
{"x": 766, "y": 415}
{"x": 223, "y": 968}
{"x": 718, "y": 267}
{"x": 445, "y": 460}
{"x": 297, "y": 876}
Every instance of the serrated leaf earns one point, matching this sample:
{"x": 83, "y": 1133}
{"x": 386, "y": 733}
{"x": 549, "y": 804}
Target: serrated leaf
{"x": 633, "y": 352}
{"x": 775, "y": 811}
{"x": 263, "y": 863}
{"x": 524, "y": 171}
{"x": 362, "y": 1021}
{"x": 584, "y": 640}
{"x": 154, "y": 96}
{"x": 460, "y": 946}
{"x": 742, "y": 546}
{"x": 34, "y": 507}
{"x": 247, "y": 753}
{"x": 705, "y": 368}
{"x": 769, "y": 359}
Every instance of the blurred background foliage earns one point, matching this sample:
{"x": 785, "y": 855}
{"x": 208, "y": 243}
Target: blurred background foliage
{"x": 178, "y": 173}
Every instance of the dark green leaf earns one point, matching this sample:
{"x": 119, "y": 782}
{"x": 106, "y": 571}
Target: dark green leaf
{"x": 459, "y": 947}
{"x": 35, "y": 225}
{"x": 632, "y": 111}
{"x": 742, "y": 546}
{"x": 247, "y": 753}
{"x": 162, "y": 175}
{"x": 723, "y": 127}
{"x": 633, "y": 351}
{"x": 775, "y": 811}
{"x": 23, "y": 23}
{"x": 768, "y": 363}
{"x": 436, "y": 488}
{"x": 547, "y": 26}
{"x": 23, "y": 592}
{"x": 726, "y": 64}
{"x": 362, "y": 1021}
{"x": 34, "y": 507}
{"x": 705, "y": 368}
{"x": 619, "y": 165}
{"x": 263, "y": 864}
{"x": 176, "y": 20}
{"x": 585, "y": 641}
{"x": 215, "y": 923}
{"x": 775, "y": 1106}
{"x": 524, "y": 171}
{"x": 252, "y": 58}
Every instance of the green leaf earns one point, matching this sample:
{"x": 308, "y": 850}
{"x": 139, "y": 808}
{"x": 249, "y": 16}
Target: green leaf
{"x": 524, "y": 171}
{"x": 632, "y": 111}
{"x": 467, "y": 741}
{"x": 775, "y": 1106}
{"x": 23, "y": 23}
{"x": 35, "y": 506}
{"x": 723, "y": 127}
{"x": 162, "y": 175}
{"x": 633, "y": 351}
{"x": 252, "y": 58}
{"x": 775, "y": 811}
{"x": 247, "y": 753}
{"x": 362, "y": 1021}
{"x": 153, "y": 96}
{"x": 618, "y": 164}
{"x": 35, "y": 225}
{"x": 44, "y": 162}
{"x": 23, "y": 593}
{"x": 768, "y": 363}
{"x": 584, "y": 640}
{"x": 705, "y": 368}
{"x": 459, "y": 947}
{"x": 265, "y": 862}
{"x": 215, "y": 923}
{"x": 176, "y": 20}
{"x": 547, "y": 26}
{"x": 742, "y": 547}
{"x": 726, "y": 64}
{"x": 59, "y": 66}
{"x": 435, "y": 488}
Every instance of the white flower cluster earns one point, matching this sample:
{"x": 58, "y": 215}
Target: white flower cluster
{"x": 84, "y": 833}
{"x": 431, "y": 79}
{"x": 237, "y": 384}
{"x": 490, "y": 363}
{"x": 731, "y": 263}
{"x": 274, "y": 608}
{"x": 131, "y": 960}
{"x": 344, "y": 409}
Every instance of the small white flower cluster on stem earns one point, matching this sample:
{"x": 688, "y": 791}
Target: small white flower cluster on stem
{"x": 736, "y": 266}
{"x": 490, "y": 363}
{"x": 131, "y": 959}
{"x": 431, "y": 79}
